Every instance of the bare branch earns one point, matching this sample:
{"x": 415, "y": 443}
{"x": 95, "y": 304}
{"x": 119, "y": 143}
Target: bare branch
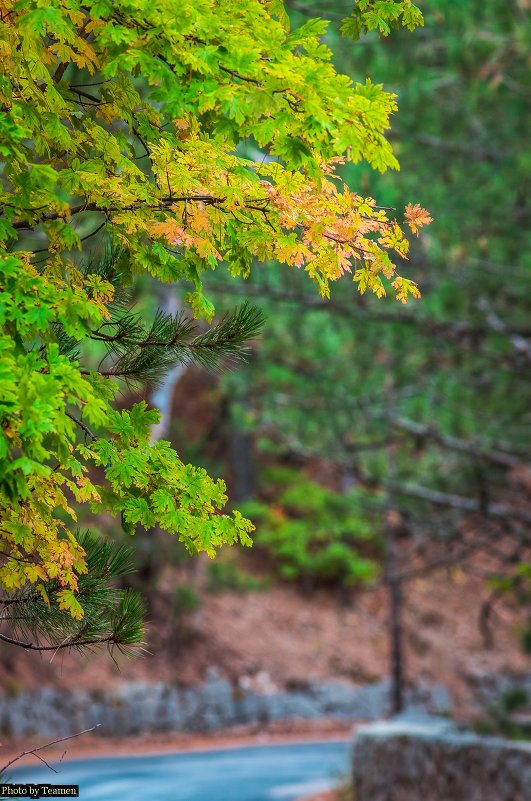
{"x": 60, "y": 71}
{"x": 520, "y": 344}
{"x": 427, "y": 326}
{"x": 472, "y": 448}
{"x": 17, "y": 558}
{"x": 33, "y": 751}
{"x": 82, "y": 426}
{"x": 463, "y": 504}
{"x": 469, "y": 151}
{"x": 235, "y": 74}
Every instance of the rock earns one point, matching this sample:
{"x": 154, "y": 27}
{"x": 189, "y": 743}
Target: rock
{"x": 210, "y": 706}
{"x": 136, "y": 707}
{"x": 427, "y": 759}
{"x": 440, "y": 701}
{"x": 420, "y": 720}
{"x": 284, "y": 706}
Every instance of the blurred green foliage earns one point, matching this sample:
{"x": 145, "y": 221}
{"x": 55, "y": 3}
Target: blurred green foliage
{"x": 315, "y": 535}
{"x": 225, "y": 574}
{"x": 508, "y": 716}
{"x": 517, "y": 586}
{"x": 185, "y": 599}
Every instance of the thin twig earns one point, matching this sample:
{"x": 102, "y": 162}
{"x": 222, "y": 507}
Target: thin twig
{"x": 82, "y": 426}
{"x": 30, "y": 646}
{"x": 33, "y": 751}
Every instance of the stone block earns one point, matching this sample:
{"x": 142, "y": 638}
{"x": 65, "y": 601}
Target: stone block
{"x": 427, "y": 759}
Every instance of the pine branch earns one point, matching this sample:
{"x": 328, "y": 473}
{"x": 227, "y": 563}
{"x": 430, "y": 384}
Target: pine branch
{"x": 111, "y": 616}
{"x": 227, "y": 339}
{"x": 73, "y": 643}
{"x": 145, "y": 356}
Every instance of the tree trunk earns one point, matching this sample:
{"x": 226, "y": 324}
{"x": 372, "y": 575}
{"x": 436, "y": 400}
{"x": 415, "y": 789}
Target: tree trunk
{"x": 395, "y": 625}
{"x": 391, "y": 572}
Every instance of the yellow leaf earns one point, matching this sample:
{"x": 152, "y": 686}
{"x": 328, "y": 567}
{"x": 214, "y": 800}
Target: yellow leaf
{"x": 69, "y": 603}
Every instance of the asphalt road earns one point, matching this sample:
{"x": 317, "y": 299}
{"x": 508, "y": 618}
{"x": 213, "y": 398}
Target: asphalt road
{"x": 261, "y": 773}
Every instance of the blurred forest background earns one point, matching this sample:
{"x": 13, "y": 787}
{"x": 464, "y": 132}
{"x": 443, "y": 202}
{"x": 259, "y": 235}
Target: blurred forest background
{"x": 382, "y": 451}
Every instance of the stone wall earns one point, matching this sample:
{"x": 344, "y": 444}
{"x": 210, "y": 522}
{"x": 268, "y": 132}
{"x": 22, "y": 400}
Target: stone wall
{"x": 426, "y": 760}
{"x": 136, "y": 707}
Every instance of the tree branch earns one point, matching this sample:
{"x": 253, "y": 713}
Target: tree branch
{"x": 17, "y": 558}
{"x": 82, "y": 426}
{"x": 453, "y": 443}
{"x": 495, "y": 323}
{"x": 426, "y": 326}
{"x": 73, "y": 643}
{"x": 468, "y": 151}
{"x": 60, "y": 71}
{"x": 235, "y": 74}
{"x": 163, "y": 202}
{"x": 33, "y": 751}
{"x": 462, "y": 503}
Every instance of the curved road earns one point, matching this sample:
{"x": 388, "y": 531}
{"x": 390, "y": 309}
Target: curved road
{"x": 258, "y": 773}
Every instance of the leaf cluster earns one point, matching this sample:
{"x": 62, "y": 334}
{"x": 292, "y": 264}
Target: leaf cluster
{"x": 47, "y": 616}
{"x": 381, "y": 16}
{"x": 138, "y": 111}
{"x": 127, "y": 120}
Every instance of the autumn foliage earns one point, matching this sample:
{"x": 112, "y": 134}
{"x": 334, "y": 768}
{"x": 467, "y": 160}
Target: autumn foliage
{"x": 135, "y": 120}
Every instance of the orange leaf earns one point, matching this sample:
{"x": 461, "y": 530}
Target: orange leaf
{"x": 416, "y": 217}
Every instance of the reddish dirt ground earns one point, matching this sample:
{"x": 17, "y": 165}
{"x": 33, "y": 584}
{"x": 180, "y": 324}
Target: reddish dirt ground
{"x": 277, "y": 638}
{"x": 330, "y": 796}
{"x": 90, "y": 745}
